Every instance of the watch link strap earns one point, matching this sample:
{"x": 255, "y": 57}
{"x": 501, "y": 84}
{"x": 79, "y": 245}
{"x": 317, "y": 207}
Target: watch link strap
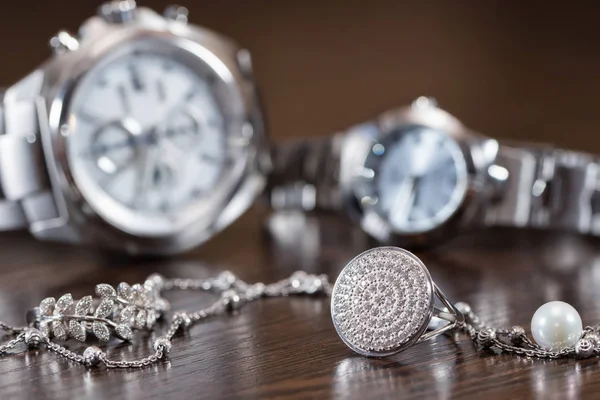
{"x": 24, "y": 186}
{"x": 305, "y": 174}
{"x": 549, "y": 189}
{"x": 546, "y": 188}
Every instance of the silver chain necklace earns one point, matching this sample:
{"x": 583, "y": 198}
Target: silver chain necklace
{"x": 117, "y": 313}
{"x": 121, "y": 311}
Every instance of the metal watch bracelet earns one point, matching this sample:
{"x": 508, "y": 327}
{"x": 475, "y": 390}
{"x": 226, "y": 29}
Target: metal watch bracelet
{"x": 543, "y": 187}
{"x": 25, "y": 192}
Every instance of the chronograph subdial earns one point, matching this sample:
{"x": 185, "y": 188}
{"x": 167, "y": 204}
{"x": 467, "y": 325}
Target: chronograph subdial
{"x": 112, "y": 146}
{"x": 184, "y": 128}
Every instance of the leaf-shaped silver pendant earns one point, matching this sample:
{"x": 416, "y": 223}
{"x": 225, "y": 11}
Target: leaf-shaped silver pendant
{"x": 47, "y": 306}
{"x": 101, "y": 331}
{"x": 139, "y": 294}
{"x": 126, "y": 315}
{"x": 77, "y": 330}
{"x": 124, "y": 332}
{"x": 60, "y": 330}
{"x": 84, "y": 306}
{"x": 125, "y": 291}
{"x": 140, "y": 320}
{"x": 106, "y": 291}
{"x": 63, "y": 305}
{"x": 104, "y": 309}
{"x": 45, "y": 328}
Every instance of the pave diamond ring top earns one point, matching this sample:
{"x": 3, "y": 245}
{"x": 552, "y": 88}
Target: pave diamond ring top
{"x": 383, "y": 302}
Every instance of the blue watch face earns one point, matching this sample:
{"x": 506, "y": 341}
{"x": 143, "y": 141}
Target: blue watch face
{"x": 419, "y": 180}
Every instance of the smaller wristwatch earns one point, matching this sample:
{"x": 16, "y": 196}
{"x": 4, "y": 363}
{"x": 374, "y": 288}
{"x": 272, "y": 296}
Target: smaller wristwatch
{"x": 418, "y": 176}
{"x": 142, "y": 133}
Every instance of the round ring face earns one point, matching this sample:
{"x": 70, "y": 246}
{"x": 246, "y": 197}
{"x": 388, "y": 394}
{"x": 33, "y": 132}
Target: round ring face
{"x": 382, "y": 301}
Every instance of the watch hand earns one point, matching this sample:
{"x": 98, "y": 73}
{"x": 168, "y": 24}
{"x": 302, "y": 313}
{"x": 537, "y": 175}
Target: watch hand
{"x": 124, "y": 97}
{"x": 146, "y": 165}
{"x": 101, "y": 150}
{"x": 405, "y": 198}
{"x": 418, "y": 194}
{"x": 129, "y": 127}
{"x": 173, "y": 155}
{"x": 425, "y": 150}
{"x": 145, "y": 138}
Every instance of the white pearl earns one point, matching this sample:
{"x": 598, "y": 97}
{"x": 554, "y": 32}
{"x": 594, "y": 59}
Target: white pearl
{"x": 556, "y": 325}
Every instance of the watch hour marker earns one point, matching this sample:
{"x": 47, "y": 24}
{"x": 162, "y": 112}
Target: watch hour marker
{"x": 369, "y": 200}
{"x": 124, "y": 96}
{"x": 107, "y": 165}
{"x": 378, "y": 149}
{"x": 136, "y": 81}
{"x": 367, "y": 173}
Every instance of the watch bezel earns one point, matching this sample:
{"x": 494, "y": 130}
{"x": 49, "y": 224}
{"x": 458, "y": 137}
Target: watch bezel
{"x": 476, "y": 150}
{"x": 61, "y": 78}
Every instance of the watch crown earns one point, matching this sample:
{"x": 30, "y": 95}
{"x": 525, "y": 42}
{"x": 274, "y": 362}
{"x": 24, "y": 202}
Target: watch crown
{"x": 244, "y": 60}
{"x": 498, "y": 177}
{"x": 177, "y": 13}
{"x": 118, "y": 11}
{"x": 425, "y": 102}
{"x": 63, "y": 42}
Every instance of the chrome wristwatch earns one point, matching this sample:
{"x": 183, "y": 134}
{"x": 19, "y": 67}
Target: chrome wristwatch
{"x": 143, "y": 133}
{"x": 416, "y": 175}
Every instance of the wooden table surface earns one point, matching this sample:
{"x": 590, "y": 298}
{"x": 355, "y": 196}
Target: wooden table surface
{"x": 287, "y": 347}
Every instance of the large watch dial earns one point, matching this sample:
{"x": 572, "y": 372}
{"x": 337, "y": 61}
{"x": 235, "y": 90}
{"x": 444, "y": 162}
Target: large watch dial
{"x": 147, "y": 140}
{"x": 420, "y": 178}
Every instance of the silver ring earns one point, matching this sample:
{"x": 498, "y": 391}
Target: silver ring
{"x": 383, "y": 302}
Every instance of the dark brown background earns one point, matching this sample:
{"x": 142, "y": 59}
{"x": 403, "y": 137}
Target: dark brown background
{"x": 509, "y": 69}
